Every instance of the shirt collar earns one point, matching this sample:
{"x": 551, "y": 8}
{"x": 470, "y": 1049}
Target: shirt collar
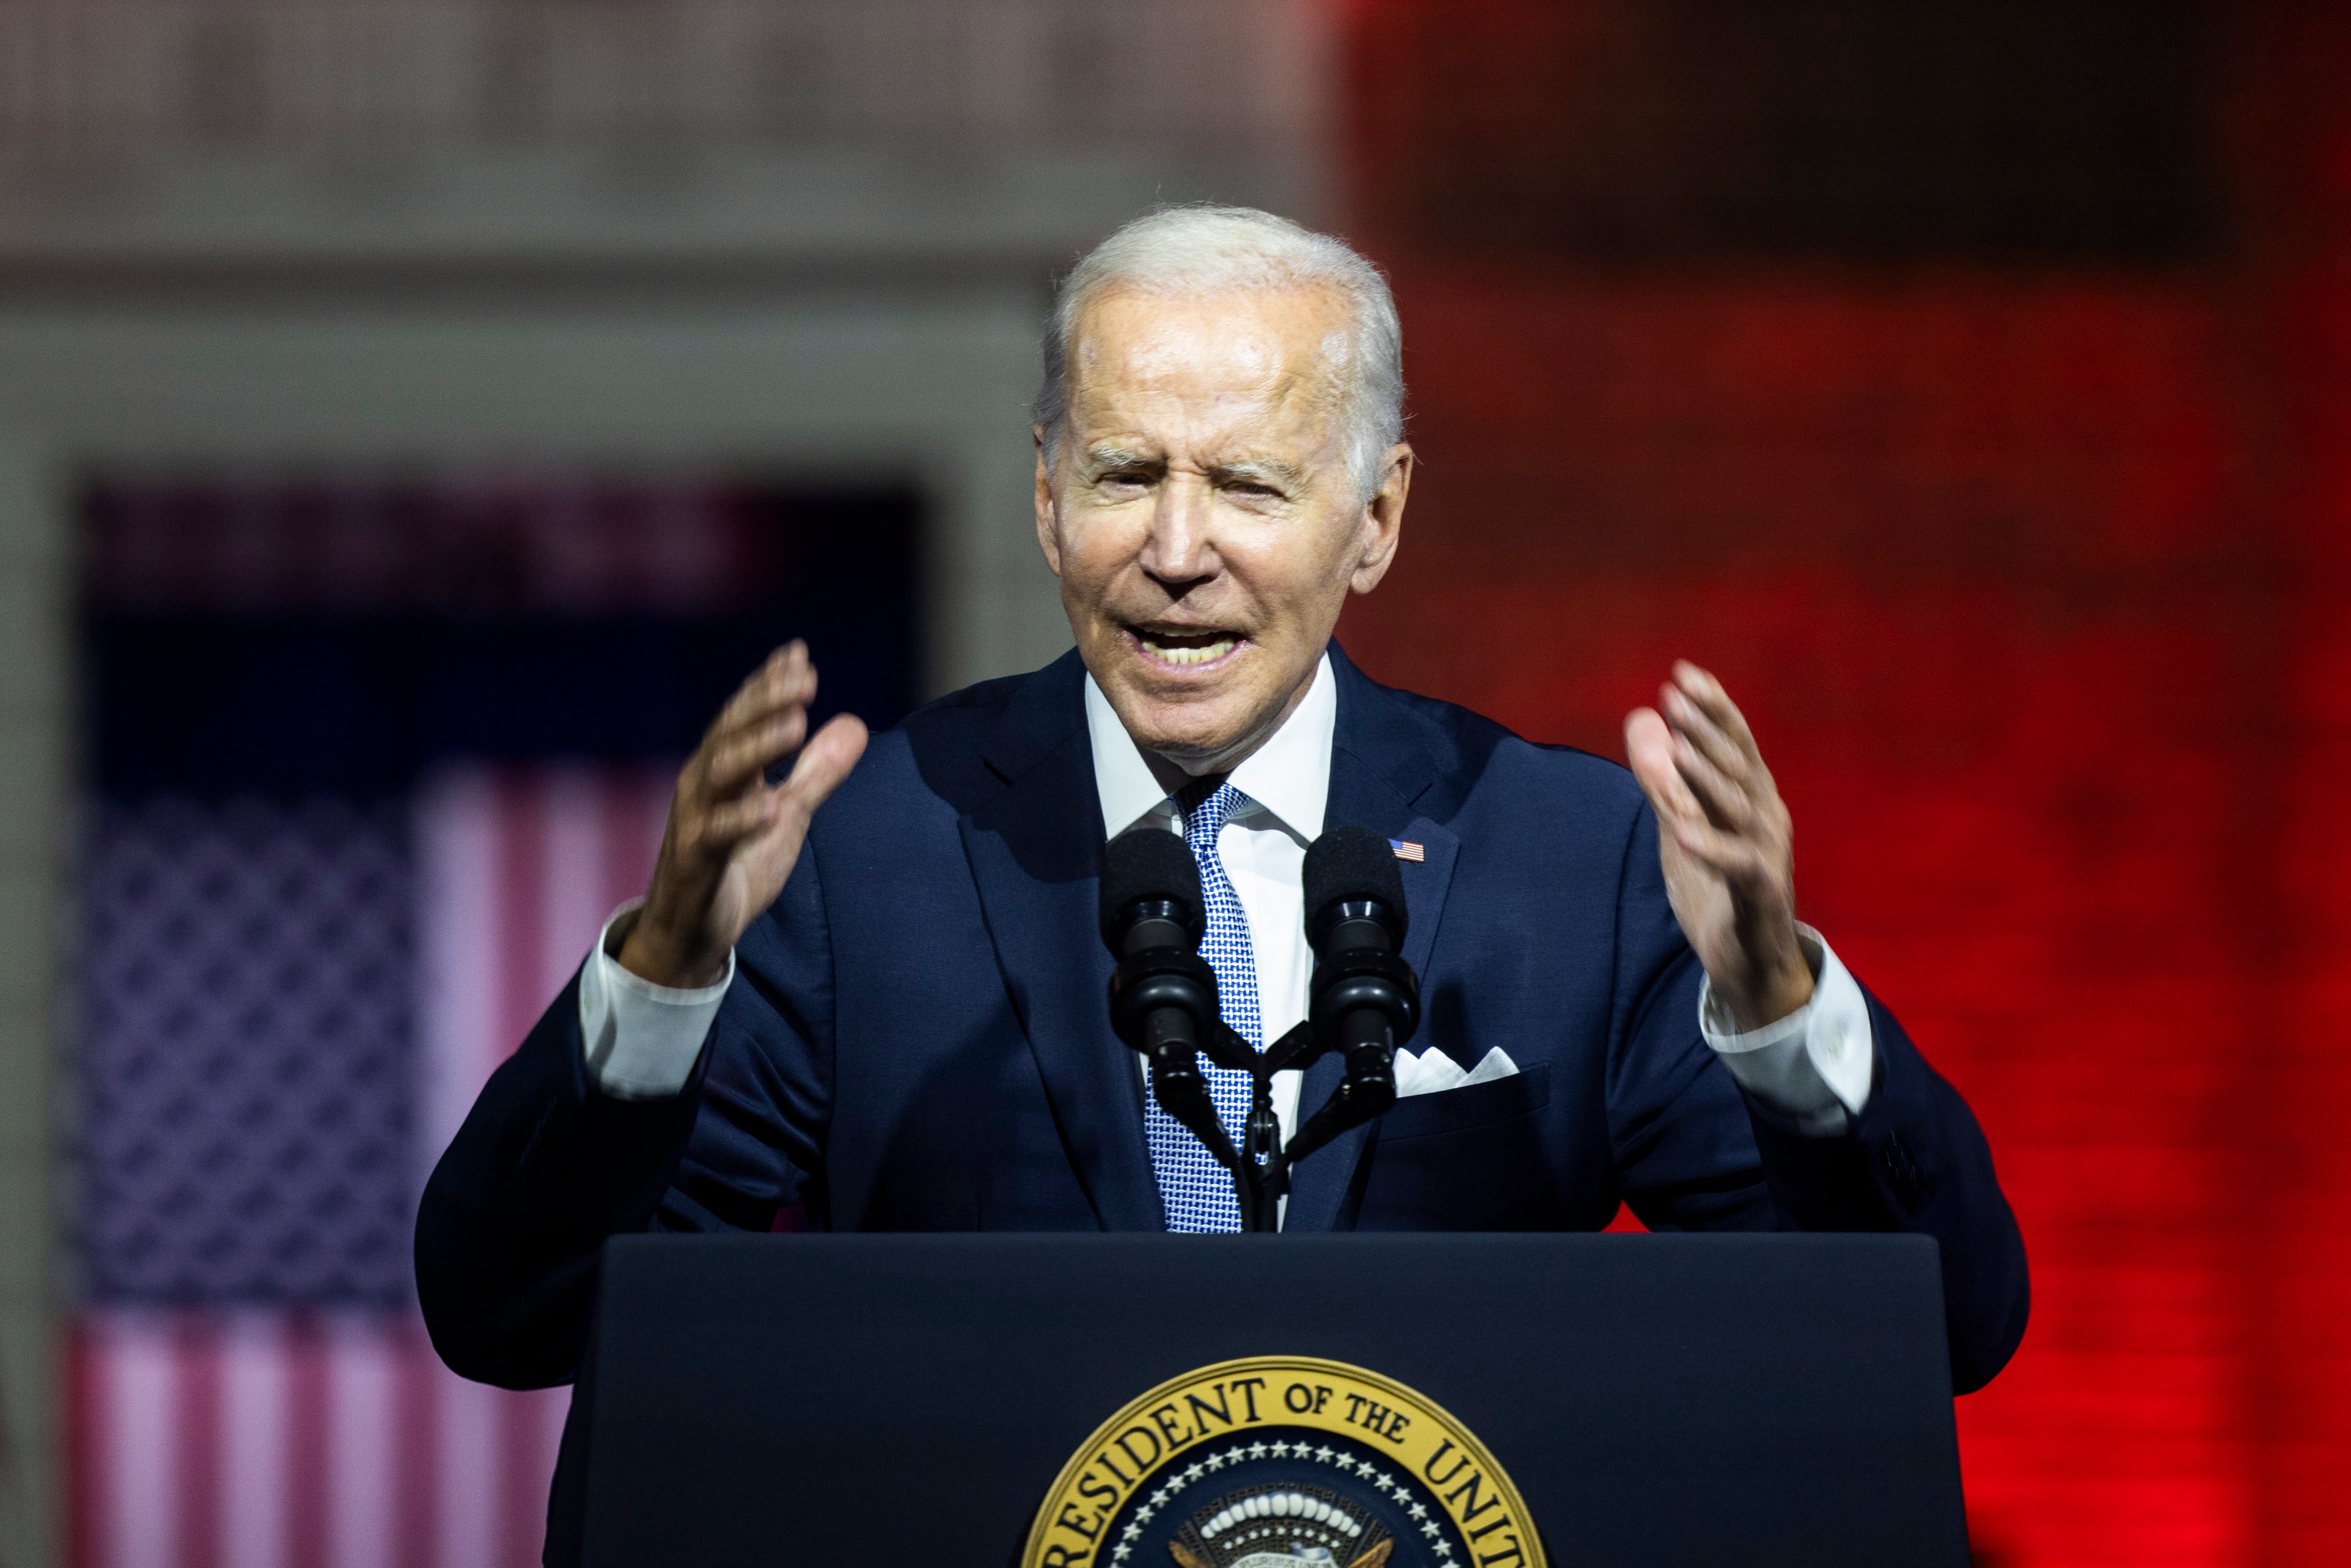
{"x": 1289, "y": 776}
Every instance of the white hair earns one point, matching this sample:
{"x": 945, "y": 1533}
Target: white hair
{"x": 1198, "y": 250}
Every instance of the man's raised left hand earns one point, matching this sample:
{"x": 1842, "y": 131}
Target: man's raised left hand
{"x": 1726, "y": 845}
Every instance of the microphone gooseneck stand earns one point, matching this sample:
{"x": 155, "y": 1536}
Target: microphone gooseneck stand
{"x": 1365, "y": 1002}
{"x": 1261, "y": 1164}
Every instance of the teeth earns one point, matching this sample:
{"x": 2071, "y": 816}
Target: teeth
{"x": 1198, "y": 654}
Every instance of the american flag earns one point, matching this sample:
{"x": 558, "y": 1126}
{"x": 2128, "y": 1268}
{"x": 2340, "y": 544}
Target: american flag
{"x": 1405, "y": 850}
{"x": 290, "y": 1008}
{"x": 316, "y": 919}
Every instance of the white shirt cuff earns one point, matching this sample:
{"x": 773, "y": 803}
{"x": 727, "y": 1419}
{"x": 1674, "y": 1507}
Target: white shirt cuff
{"x": 1812, "y": 1070}
{"x": 641, "y": 1039}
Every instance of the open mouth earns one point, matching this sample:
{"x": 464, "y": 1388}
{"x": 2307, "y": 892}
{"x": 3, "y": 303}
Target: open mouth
{"x": 1187, "y": 648}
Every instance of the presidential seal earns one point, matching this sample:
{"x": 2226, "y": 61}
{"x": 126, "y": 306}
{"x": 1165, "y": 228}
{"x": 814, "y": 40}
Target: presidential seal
{"x": 1282, "y": 1461}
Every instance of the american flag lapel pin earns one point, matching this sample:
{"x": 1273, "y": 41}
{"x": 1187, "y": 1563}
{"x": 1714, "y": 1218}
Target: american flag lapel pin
{"x": 1405, "y": 850}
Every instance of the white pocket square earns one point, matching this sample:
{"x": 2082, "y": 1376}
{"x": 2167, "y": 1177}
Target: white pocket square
{"x": 1433, "y": 1071}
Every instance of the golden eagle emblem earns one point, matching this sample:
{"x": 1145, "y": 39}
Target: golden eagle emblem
{"x": 1282, "y": 1462}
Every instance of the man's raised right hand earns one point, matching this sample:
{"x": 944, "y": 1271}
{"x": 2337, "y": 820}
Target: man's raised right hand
{"x": 733, "y": 838}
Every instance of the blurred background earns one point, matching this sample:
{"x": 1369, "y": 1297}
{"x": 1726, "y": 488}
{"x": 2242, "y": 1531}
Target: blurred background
{"x": 415, "y": 414}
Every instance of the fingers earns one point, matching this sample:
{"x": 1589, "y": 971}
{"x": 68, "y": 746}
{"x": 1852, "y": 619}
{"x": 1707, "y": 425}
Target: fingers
{"x": 1691, "y": 725}
{"x": 1707, "y": 700}
{"x": 1696, "y": 761}
{"x": 1649, "y": 748}
{"x": 1724, "y": 799}
{"x": 1658, "y": 764}
{"x": 786, "y": 680}
{"x": 1715, "y": 749}
{"x": 1679, "y": 780}
{"x": 722, "y": 795}
{"x": 727, "y": 824}
{"x": 763, "y": 721}
{"x": 823, "y": 763}
{"x": 744, "y": 757}
{"x": 1735, "y": 857}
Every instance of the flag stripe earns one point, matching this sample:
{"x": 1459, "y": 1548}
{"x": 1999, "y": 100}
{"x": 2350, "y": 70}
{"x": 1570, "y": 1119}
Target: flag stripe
{"x": 139, "y": 1396}
{"x": 469, "y": 1471}
{"x": 252, "y": 1442}
{"x": 85, "y": 1471}
{"x": 420, "y": 1488}
{"x": 457, "y": 862}
{"x": 572, "y": 908}
{"x": 197, "y": 1348}
{"x": 307, "y": 1475}
{"x": 520, "y": 893}
{"x": 360, "y": 1451}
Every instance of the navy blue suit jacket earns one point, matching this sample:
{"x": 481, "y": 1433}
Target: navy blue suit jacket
{"x": 917, "y": 1039}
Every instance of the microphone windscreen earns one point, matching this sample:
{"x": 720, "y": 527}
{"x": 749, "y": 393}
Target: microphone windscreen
{"x": 1352, "y": 865}
{"x": 1149, "y": 862}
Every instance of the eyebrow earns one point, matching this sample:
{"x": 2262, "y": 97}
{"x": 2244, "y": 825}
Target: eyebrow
{"x": 1102, "y": 459}
{"x": 1272, "y": 470}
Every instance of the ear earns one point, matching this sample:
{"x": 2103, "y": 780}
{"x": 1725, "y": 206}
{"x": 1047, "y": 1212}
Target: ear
{"x": 1382, "y": 526}
{"x": 1048, "y": 525}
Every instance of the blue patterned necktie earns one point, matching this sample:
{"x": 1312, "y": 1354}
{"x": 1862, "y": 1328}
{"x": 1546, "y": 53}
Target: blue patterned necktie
{"x": 1196, "y": 1191}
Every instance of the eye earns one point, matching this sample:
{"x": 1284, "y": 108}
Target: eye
{"x": 1254, "y": 490}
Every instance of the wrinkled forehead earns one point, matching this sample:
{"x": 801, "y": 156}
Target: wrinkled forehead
{"x": 1265, "y": 353}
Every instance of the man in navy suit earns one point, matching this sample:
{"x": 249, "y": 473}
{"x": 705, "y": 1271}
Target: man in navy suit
{"x": 891, "y": 1010}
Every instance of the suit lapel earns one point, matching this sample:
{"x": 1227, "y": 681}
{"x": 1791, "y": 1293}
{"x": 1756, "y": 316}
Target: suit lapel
{"x": 1036, "y": 855}
{"x": 1380, "y": 768}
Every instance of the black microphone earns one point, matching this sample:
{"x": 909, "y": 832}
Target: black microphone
{"x": 1150, "y": 894}
{"x": 1354, "y": 895}
{"x": 1364, "y": 999}
{"x": 1163, "y": 995}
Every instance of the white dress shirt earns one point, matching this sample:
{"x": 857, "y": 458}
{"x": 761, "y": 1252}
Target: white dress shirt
{"x": 1285, "y": 783}
{"x": 1807, "y": 1072}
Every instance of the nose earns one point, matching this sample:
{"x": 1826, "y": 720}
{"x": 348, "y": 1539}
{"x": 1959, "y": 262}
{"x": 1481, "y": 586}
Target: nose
{"x": 1180, "y": 551}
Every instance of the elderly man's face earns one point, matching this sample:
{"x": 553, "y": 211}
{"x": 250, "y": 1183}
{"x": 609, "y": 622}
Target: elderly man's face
{"x": 1201, "y": 516}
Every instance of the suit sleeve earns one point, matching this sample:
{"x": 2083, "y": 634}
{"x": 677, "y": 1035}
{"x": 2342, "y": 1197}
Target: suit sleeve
{"x": 546, "y": 1165}
{"x": 1692, "y": 1153}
